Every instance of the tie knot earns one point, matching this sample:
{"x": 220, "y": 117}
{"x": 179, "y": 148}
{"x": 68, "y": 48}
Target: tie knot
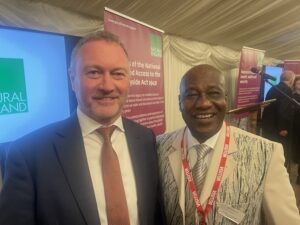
{"x": 202, "y": 150}
{"x": 106, "y": 132}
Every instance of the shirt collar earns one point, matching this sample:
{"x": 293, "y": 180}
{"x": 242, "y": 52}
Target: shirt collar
{"x": 211, "y": 142}
{"x": 89, "y": 125}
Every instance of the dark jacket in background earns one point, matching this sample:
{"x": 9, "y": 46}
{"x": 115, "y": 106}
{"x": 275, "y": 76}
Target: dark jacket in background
{"x": 296, "y": 132}
{"x": 278, "y": 116}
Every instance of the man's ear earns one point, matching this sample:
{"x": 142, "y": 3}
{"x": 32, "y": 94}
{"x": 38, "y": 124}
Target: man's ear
{"x": 226, "y": 97}
{"x": 71, "y": 77}
{"x": 179, "y": 101}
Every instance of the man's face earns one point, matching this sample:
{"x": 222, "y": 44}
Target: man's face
{"x": 100, "y": 80}
{"x": 297, "y": 86}
{"x": 203, "y": 102}
{"x": 292, "y": 82}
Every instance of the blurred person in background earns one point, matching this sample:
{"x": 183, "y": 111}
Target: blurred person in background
{"x": 296, "y": 128}
{"x": 277, "y": 117}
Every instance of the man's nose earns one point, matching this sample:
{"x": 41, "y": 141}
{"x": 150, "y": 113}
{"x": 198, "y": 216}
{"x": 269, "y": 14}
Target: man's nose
{"x": 203, "y": 101}
{"x": 107, "y": 82}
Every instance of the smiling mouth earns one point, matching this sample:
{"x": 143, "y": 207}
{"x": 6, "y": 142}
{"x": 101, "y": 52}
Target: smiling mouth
{"x": 204, "y": 116}
{"x": 105, "y": 99}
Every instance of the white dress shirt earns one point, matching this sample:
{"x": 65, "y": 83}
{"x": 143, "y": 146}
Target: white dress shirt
{"x": 93, "y": 144}
{"x": 191, "y": 151}
{"x": 192, "y": 155}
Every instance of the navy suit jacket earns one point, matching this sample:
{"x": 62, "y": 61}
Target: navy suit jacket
{"x": 47, "y": 179}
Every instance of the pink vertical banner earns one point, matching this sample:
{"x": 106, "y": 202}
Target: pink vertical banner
{"x": 248, "y": 86}
{"x": 145, "y": 103}
{"x": 293, "y": 65}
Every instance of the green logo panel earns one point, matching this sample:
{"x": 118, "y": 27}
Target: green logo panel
{"x": 13, "y": 96}
{"x": 155, "y": 42}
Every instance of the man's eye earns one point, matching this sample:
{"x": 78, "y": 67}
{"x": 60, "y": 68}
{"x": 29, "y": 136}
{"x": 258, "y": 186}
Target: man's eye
{"x": 194, "y": 94}
{"x": 93, "y": 73}
{"x": 191, "y": 95}
{"x": 215, "y": 94}
{"x": 119, "y": 74}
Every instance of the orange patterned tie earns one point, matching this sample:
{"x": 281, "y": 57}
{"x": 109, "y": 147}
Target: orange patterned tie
{"x": 116, "y": 205}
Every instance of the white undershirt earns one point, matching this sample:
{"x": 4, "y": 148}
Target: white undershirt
{"x": 93, "y": 143}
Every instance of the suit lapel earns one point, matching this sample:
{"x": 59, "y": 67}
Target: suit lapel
{"x": 175, "y": 161}
{"x": 71, "y": 155}
{"x": 215, "y": 162}
{"x": 137, "y": 154}
{"x": 172, "y": 177}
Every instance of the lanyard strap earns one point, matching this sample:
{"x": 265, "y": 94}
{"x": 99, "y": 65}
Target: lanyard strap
{"x": 192, "y": 186}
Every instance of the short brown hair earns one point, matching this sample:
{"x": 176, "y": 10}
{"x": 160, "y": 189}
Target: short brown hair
{"x": 287, "y": 75}
{"x": 95, "y": 36}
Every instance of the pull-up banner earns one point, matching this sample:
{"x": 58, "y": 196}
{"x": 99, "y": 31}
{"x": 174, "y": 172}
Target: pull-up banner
{"x": 145, "y": 103}
{"x": 248, "y": 86}
{"x": 293, "y": 65}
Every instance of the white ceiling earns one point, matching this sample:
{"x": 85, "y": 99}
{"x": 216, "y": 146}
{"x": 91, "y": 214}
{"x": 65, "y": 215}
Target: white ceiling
{"x": 271, "y": 25}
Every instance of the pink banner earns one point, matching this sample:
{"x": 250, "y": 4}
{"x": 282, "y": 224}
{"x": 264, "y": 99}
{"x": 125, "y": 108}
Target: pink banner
{"x": 145, "y": 103}
{"x": 293, "y": 65}
{"x": 248, "y": 86}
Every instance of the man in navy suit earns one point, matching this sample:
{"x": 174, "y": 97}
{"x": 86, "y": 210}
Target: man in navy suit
{"x": 54, "y": 175}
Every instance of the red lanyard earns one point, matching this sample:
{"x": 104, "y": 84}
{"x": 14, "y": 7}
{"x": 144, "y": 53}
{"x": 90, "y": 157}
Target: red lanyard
{"x": 204, "y": 212}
